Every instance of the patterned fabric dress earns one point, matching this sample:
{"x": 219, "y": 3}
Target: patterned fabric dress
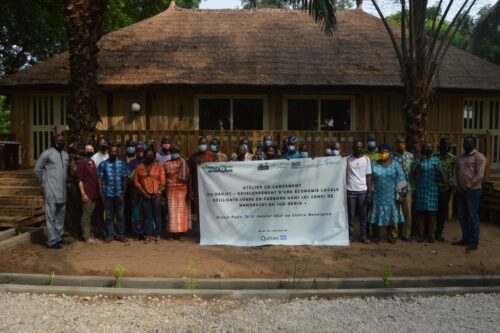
{"x": 386, "y": 183}
{"x": 179, "y": 208}
{"x": 426, "y": 185}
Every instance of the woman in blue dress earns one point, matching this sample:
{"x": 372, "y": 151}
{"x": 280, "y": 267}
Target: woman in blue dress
{"x": 388, "y": 191}
{"x": 426, "y": 172}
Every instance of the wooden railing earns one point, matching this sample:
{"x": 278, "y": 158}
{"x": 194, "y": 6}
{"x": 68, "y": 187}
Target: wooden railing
{"x": 316, "y": 140}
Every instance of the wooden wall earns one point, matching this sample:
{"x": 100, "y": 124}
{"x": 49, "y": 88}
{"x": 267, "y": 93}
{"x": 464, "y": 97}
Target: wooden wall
{"x": 174, "y": 109}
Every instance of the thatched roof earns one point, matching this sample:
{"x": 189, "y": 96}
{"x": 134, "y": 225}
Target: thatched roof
{"x": 253, "y": 47}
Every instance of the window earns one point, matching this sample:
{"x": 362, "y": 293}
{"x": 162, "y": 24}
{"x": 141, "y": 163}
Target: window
{"x": 473, "y": 114}
{"x": 231, "y": 113}
{"x": 319, "y": 114}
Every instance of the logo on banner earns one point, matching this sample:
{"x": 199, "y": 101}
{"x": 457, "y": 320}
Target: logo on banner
{"x": 217, "y": 168}
{"x": 263, "y": 166}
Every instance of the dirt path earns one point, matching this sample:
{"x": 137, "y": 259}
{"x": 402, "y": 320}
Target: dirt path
{"x": 174, "y": 258}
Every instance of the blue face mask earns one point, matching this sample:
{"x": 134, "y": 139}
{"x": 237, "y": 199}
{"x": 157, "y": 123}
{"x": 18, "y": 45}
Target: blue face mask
{"x": 291, "y": 148}
{"x": 304, "y": 154}
{"x": 176, "y": 156}
{"x": 130, "y": 150}
{"x": 371, "y": 144}
{"x": 213, "y": 148}
{"x": 268, "y": 143}
{"x": 202, "y": 148}
{"x": 246, "y": 146}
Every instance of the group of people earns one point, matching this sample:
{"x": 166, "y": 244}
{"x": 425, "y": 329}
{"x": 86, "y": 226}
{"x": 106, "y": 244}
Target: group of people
{"x": 389, "y": 187}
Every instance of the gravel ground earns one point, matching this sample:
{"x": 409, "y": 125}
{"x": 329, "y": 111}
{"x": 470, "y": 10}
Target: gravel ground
{"x": 44, "y": 313}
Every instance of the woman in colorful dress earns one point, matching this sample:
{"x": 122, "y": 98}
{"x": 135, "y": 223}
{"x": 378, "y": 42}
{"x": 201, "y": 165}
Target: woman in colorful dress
{"x": 388, "y": 191}
{"x": 426, "y": 171}
{"x": 179, "y": 213}
{"x": 150, "y": 182}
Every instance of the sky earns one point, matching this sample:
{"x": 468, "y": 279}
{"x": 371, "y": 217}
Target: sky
{"x": 388, "y": 6}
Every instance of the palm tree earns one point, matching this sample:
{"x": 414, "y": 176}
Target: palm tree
{"x": 420, "y": 53}
{"x": 83, "y": 20}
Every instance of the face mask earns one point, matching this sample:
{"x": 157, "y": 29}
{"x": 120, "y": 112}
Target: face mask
{"x": 328, "y": 152}
{"x": 148, "y": 160}
{"x": 336, "y": 152}
{"x": 427, "y": 151}
{"x": 304, "y": 154}
{"x": 291, "y": 148}
{"x": 103, "y": 148}
{"x": 371, "y": 144}
{"x": 112, "y": 158}
{"x": 59, "y": 146}
{"x": 246, "y": 146}
{"x": 357, "y": 151}
{"x": 270, "y": 156}
{"x": 165, "y": 146}
{"x": 384, "y": 156}
{"x": 268, "y": 143}
{"x": 202, "y": 148}
{"x": 176, "y": 156}
{"x": 89, "y": 154}
{"x": 130, "y": 151}
{"x": 214, "y": 148}
{"x": 444, "y": 150}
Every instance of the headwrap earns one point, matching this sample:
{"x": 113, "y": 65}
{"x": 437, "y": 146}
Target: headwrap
{"x": 384, "y": 146}
{"x": 140, "y": 146}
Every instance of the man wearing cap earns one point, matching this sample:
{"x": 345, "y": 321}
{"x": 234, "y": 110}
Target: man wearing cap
{"x": 51, "y": 172}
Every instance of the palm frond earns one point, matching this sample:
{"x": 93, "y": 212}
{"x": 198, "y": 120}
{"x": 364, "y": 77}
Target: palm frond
{"x": 323, "y": 12}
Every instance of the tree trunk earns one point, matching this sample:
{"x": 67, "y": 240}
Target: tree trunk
{"x": 415, "y": 106}
{"x": 83, "y": 20}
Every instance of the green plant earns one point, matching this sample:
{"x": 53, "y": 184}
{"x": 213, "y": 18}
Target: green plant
{"x": 191, "y": 282}
{"x": 52, "y": 276}
{"x": 119, "y": 271}
{"x": 386, "y": 276}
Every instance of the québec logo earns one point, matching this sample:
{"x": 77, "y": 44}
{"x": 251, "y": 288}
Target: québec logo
{"x": 283, "y": 237}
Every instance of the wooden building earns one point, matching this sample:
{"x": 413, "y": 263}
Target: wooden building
{"x": 234, "y": 73}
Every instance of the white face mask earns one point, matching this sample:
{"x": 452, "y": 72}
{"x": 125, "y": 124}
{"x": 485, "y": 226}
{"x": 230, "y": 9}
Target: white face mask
{"x": 328, "y": 151}
{"x": 335, "y": 152}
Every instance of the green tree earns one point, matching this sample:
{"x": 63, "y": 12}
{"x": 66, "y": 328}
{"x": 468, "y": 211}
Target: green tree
{"x": 4, "y": 115}
{"x": 485, "y": 37}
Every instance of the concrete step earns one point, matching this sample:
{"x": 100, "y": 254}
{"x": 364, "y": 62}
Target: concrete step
{"x": 19, "y": 182}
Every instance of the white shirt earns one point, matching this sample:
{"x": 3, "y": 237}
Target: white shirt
{"x": 357, "y": 169}
{"x": 99, "y": 157}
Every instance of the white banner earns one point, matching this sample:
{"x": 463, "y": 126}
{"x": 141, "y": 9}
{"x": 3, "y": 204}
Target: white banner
{"x": 280, "y": 202}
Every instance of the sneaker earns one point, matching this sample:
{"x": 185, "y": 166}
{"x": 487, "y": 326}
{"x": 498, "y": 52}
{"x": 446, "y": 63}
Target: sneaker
{"x": 55, "y": 246}
{"x": 66, "y": 242}
{"x": 108, "y": 239}
{"x": 471, "y": 247}
{"x": 462, "y": 242}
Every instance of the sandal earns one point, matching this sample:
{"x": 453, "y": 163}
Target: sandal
{"x": 147, "y": 240}
{"x": 157, "y": 239}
